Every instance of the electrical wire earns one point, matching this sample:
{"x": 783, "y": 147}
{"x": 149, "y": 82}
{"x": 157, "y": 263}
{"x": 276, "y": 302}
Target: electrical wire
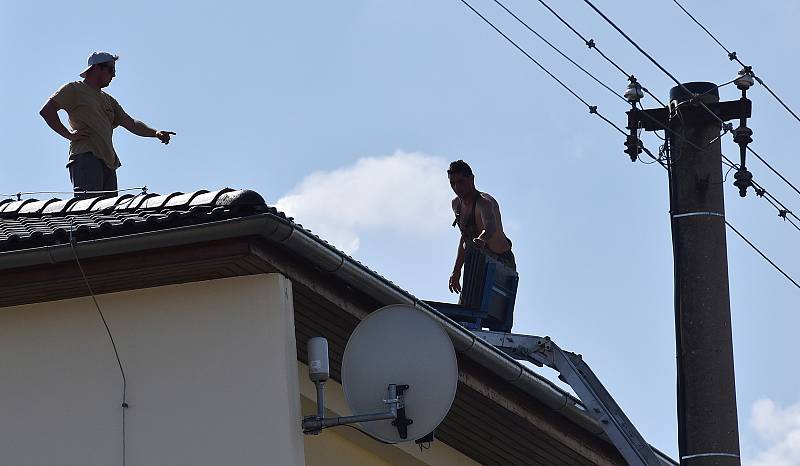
{"x": 749, "y": 243}
{"x": 592, "y": 45}
{"x": 558, "y": 50}
{"x": 783, "y": 211}
{"x": 111, "y": 339}
{"x": 733, "y": 56}
{"x": 19, "y": 195}
{"x": 773, "y": 170}
{"x": 694, "y": 96}
{"x": 592, "y": 108}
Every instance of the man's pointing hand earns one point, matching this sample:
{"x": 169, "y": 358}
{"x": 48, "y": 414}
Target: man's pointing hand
{"x": 163, "y": 136}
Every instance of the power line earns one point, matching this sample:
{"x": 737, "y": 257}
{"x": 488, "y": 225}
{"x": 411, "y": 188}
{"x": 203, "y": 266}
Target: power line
{"x": 592, "y": 45}
{"x": 733, "y": 56}
{"x": 773, "y": 170}
{"x": 783, "y": 211}
{"x": 653, "y": 60}
{"x": 592, "y": 108}
{"x": 559, "y": 50}
{"x": 761, "y": 254}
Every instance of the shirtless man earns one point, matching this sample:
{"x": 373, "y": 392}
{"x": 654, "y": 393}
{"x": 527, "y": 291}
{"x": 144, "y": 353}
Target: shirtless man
{"x": 478, "y": 218}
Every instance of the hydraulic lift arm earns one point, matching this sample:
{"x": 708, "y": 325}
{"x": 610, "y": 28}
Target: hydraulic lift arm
{"x": 575, "y": 372}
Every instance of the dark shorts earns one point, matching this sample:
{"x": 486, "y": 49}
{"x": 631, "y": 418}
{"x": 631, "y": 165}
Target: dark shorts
{"x": 91, "y": 177}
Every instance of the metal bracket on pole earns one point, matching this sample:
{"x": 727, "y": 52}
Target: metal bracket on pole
{"x": 574, "y": 371}
{"x": 395, "y": 400}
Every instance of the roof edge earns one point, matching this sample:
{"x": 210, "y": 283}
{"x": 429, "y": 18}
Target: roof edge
{"x": 327, "y": 258}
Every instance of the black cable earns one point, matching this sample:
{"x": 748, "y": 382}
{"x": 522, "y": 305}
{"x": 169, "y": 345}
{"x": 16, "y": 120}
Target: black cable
{"x": 653, "y": 60}
{"x": 762, "y": 254}
{"x": 592, "y": 45}
{"x": 732, "y": 56}
{"x": 773, "y": 170}
{"x": 558, "y": 50}
{"x": 110, "y": 337}
{"x": 714, "y": 115}
{"x": 19, "y": 195}
{"x": 592, "y": 108}
{"x": 703, "y": 105}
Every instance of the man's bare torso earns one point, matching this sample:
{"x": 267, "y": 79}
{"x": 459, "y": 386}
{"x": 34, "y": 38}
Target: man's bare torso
{"x": 498, "y": 242}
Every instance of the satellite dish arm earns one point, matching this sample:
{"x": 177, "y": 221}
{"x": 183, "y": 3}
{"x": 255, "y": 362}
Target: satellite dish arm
{"x": 574, "y": 371}
{"x": 314, "y": 424}
{"x": 319, "y": 373}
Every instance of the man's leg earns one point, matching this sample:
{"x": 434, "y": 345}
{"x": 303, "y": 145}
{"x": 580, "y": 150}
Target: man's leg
{"x": 86, "y": 174}
{"x": 109, "y": 181}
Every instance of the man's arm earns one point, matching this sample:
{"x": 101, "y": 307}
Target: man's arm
{"x": 484, "y": 210}
{"x": 49, "y": 113}
{"x": 455, "y": 278}
{"x": 139, "y": 128}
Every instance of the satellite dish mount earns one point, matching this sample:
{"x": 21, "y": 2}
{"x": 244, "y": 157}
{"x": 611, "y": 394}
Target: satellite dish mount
{"x": 318, "y": 372}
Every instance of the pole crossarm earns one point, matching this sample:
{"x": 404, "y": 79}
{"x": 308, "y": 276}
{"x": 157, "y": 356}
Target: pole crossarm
{"x": 574, "y": 371}
{"x": 658, "y": 119}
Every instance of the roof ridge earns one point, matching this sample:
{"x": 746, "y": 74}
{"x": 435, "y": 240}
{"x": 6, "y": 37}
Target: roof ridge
{"x": 224, "y": 197}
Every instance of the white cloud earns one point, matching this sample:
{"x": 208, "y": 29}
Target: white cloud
{"x": 405, "y": 192}
{"x": 778, "y": 431}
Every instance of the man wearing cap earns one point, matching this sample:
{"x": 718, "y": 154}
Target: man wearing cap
{"x": 93, "y": 115}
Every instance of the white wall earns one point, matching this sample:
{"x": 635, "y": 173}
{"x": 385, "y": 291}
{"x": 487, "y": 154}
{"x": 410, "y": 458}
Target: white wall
{"x": 211, "y": 370}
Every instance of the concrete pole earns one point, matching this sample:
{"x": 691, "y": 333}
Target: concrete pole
{"x": 707, "y": 418}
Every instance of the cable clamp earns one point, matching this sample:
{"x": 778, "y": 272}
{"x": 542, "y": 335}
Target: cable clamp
{"x": 590, "y": 43}
{"x": 731, "y": 56}
{"x": 783, "y": 212}
{"x": 593, "y": 109}
{"x": 698, "y": 214}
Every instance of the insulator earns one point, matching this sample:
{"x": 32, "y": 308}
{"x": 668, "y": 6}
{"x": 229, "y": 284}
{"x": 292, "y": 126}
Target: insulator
{"x": 743, "y": 135}
{"x": 744, "y": 179}
{"x": 633, "y": 93}
{"x": 744, "y": 79}
{"x": 633, "y": 147}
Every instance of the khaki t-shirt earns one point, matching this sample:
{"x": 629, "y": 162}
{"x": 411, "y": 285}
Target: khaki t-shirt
{"x": 91, "y": 109}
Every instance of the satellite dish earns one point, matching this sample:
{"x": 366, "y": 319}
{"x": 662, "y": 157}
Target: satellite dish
{"x": 400, "y": 344}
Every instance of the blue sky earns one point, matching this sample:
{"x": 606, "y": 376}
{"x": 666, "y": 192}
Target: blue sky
{"x": 346, "y": 113}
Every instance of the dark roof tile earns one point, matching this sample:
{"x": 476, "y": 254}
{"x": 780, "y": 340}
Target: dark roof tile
{"x": 36, "y": 207}
{"x": 184, "y": 200}
{"x": 111, "y": 202}
{"x": 157, "y": 201}
{"x": 31, "y": 223}
{"x": 58, "y": 206}
{"x": 209, "y": 198}
{"x": 14, "y": 206}
{"x": 84, "y": 205}
{"x": 134, "y": 202}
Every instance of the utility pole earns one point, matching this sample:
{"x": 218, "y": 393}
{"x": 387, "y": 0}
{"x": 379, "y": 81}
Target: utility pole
{"x": 707, "y": 418}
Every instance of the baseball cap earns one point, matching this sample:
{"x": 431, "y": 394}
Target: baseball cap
{"x": 98, "y": 57}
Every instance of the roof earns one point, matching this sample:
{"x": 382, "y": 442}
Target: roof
{"x": 32, "y": 223}
{"x": 35, "y": 240}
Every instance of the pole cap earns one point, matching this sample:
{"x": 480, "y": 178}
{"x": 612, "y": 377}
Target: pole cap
{"x": 709, "y": 90}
